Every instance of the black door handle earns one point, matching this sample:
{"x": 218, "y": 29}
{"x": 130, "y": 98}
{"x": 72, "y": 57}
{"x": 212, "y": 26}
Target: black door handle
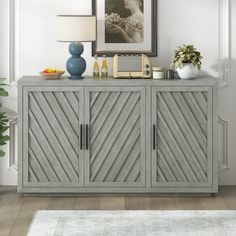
{"x": 154, "y": 137}
{"x": 81, "y": 137}
{"x": 87, "y": 137}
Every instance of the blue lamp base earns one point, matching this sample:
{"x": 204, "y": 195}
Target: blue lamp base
{"x": 76, "y": 65}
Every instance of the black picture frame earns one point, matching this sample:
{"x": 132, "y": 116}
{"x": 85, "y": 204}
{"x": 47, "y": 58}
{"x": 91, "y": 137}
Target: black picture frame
{"x": 152, "y": 53}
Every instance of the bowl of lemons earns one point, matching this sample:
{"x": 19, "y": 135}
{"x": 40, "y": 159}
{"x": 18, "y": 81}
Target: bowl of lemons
{"x": 52, "y": 74}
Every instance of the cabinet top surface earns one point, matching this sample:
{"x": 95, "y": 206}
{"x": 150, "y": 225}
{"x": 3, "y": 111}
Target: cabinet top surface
{"x": 89, "y": 81}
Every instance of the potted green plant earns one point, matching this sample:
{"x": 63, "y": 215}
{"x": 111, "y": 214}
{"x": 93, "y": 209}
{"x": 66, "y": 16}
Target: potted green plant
{"x": 3, "y": 120}
{"x": 187, "y": 61}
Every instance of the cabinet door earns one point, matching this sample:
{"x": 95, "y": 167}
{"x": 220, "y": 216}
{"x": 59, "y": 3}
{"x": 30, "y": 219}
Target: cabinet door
{"x": 51, "y": 128}
{"x": 116, "y": 137}
{"x": 182, "y": 137}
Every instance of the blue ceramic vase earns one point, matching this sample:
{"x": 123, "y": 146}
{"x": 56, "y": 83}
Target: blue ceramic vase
{"x": 76, "y": 65}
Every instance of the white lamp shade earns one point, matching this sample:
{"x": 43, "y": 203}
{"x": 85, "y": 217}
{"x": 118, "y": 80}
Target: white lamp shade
{"x": 73, "y": 28}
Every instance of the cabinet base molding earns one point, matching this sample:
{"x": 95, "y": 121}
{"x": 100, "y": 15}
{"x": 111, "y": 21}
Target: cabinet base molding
{"x": 156, "y": 195}
{"x": 117, "y": 191}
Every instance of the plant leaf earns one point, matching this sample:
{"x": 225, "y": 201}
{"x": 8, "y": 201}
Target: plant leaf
{"x": 2, "y": 153}
{"x": 4, "y": 138}
{"x": 3, "y": 93}
{"x": 4, "y": 128}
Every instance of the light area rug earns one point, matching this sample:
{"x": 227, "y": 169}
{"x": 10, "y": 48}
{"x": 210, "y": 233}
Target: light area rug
{"x": 133, "y": 223}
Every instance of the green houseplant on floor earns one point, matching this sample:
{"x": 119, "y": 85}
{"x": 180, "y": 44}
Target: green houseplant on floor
{"x": 3, "y": 120}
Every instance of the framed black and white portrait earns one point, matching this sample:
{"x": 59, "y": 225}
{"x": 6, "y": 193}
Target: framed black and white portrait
{"x": 125, "y": 27}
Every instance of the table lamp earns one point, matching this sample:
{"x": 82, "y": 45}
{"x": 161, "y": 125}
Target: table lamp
{"x": 76, "y": 29}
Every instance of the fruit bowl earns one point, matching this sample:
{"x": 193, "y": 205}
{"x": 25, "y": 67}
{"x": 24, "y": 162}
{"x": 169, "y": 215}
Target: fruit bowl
{"x": 52, "y": 75}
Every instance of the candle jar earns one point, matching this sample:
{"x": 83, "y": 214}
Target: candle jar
{"x": 170, "y": 74}
{"x": 158, "y": 73}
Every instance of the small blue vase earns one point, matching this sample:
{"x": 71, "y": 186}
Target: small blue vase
{"x": 76, "y": 65}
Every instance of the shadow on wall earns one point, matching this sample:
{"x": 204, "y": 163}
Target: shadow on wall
{"x": 203, "y": 73}
{"x": 221, "y": 65}
{"x": 233, "y": 67}
{"x": 3, "y": 163}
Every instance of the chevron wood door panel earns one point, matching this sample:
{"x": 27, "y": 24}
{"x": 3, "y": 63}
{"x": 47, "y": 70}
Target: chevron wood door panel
{"x": 116, "y": 153}
{"x": 54, "y": 158}
{"x": 182, "y": 142}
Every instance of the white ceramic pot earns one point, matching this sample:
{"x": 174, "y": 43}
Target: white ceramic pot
{"x": 188, "y": 71}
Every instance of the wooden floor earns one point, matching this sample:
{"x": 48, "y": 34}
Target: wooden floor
{"x": 16, "y": 212}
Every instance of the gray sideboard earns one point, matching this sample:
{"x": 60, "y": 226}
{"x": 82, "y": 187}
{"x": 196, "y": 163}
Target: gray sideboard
{"x": 117, "y": 136}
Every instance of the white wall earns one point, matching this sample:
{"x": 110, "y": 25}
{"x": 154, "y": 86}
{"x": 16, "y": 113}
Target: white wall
{"x": 179, "y": 21}
{"x": 38, "y": 47}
